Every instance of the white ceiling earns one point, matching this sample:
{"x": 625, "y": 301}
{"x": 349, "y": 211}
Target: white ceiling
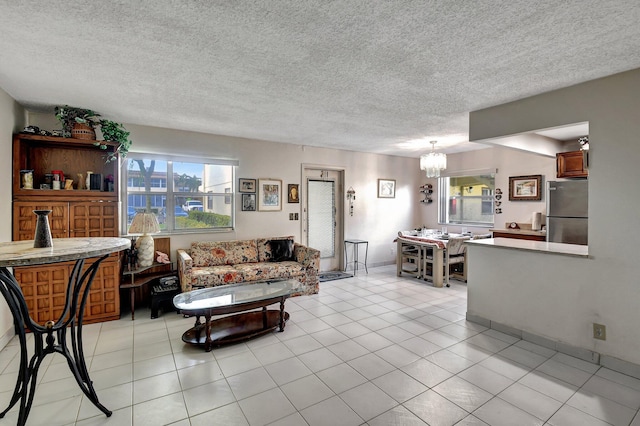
{"x": 350, "y": 74}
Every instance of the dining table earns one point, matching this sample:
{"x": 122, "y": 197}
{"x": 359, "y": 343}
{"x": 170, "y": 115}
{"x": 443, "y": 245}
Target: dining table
{"x": 434, "y": 243}
{"x": 62, "y": 335}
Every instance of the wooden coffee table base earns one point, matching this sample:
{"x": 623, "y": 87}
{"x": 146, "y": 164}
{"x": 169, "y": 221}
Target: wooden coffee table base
{"x": 234, "y": 328}
{"x": 242, "y": 300}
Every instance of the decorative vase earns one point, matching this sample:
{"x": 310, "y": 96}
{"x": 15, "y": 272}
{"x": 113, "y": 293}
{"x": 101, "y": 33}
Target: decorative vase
{"x": 42, "y": 237}
{"x": 83, "y": 131}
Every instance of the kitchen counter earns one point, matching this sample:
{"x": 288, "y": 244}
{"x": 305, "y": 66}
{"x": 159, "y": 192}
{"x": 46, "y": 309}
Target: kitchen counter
{"x": 537, "y": 246}
{"x": 520, "y": 234}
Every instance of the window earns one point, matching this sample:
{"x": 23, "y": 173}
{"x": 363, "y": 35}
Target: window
{"x": 466, "y": 199}
{"x": 185, "y": 195}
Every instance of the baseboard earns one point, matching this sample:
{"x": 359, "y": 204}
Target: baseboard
{"x": 615, "y": 364}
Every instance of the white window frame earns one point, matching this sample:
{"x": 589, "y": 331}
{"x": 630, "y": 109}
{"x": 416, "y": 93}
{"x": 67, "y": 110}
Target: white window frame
{"x": 171, "y": 194}
{"x": 444, "y": 198}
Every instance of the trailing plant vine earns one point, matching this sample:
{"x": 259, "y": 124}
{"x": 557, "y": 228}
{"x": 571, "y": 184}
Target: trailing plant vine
{"x": 111, "y": 130}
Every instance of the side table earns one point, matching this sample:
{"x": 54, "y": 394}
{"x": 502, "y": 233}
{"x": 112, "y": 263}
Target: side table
{"x": 356, "y": 244}
{"x": 163, "y": 293}
{"x": 136, "y": 278}
{"x": 64, "y": 334}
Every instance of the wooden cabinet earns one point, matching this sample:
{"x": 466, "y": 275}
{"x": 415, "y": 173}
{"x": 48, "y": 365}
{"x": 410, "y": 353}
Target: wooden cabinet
{"x": 44, "y": 288}
{"x": 571, "y": 164}
{"x": 518, "y": 236}
{"x": 67, "y": 219}
{"x": 74, "y": 213}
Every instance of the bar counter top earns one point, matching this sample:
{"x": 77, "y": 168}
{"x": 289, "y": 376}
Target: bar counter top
{"x": 537, "y": 246}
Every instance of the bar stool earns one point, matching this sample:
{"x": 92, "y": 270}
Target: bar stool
{"x": 356, "y": 244}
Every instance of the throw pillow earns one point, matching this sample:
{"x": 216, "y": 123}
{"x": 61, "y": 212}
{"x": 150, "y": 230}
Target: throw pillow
{"x": 281, "y": 250}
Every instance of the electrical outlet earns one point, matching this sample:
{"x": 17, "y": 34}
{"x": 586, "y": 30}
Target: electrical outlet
{"x": 295, "y": 216}
{"x": 290, "y": 216}
{"x": 599, "y": 331}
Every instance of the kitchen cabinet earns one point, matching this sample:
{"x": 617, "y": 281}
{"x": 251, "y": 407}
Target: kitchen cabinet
{"x": 571, "y": 164}
{"x": 74, "y": 213}
{"x": 519, "y": 235}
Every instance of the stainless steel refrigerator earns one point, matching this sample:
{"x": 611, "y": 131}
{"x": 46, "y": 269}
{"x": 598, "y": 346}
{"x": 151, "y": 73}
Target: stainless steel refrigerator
{"x": 567, "y": 211}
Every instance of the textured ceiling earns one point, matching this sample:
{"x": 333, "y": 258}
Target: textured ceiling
{"x": 363, "y": 75}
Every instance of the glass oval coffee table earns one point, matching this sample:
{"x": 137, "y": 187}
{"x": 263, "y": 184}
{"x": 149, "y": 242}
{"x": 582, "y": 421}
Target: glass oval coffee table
{"x": 238, "y": 299}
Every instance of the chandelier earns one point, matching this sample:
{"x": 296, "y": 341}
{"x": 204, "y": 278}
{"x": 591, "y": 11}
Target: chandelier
{"x": 433, "y": 162}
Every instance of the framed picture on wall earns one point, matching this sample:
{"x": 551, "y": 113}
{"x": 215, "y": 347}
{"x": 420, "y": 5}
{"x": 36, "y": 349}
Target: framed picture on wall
{"x": 525, "y": 188}
{"x": 248, "y": 202}
{"x": 269, "y": 195}
{"x": 294, "y": 195}
{"x": 386, "y": 188}
{"x": 247, "y": 185}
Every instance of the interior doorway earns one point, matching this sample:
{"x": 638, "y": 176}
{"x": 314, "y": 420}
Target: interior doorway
{"x": 323, "y": 219}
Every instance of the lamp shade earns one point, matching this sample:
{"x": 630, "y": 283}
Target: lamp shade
{"x": 144, "y": 223}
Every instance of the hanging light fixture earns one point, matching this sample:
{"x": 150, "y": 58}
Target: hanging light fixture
{"x": 433, "y": 162}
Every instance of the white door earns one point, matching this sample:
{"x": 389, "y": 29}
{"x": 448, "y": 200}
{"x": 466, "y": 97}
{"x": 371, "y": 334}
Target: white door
{"x": 323, "y": 219}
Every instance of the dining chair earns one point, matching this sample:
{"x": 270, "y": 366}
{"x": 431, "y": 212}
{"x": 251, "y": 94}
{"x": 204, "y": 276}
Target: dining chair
{"x": 408, "y": 257}
{"x": 455, "y": 253}
{"x": 428, "y": 259}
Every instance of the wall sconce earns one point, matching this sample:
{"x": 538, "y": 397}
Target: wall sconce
{"x": 351, "y": 196}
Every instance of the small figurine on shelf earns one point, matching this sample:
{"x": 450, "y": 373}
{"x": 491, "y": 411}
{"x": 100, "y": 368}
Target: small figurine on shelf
{"x": 108, "y": 183}
{"x": 131, "y": 256}
{"x": 162, "y": 257}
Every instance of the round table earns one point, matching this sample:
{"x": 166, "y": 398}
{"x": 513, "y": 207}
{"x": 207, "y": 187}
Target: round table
{"x": 52, "y": 337}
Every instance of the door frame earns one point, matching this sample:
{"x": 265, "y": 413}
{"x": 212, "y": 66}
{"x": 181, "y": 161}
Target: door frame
{"x": 339, "y": 203}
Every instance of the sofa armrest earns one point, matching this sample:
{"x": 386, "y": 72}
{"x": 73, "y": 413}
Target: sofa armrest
{"x": 308, "y": 257}
{"x": 185, "y": 265}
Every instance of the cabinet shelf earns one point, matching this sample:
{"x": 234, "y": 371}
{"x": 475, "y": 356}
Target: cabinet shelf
{"x": 42, "y": 154}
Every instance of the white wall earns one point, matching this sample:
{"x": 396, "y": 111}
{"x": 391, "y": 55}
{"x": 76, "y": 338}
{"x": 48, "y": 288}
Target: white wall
{"x": 555, "y": 296}
{"x": 12, "y": 119}
{"x": 508, "y": 162}
{"x": 375, "y": 219}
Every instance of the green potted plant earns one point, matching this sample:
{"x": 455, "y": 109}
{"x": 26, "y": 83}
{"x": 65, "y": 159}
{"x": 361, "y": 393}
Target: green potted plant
{"x": 72, "y": 117}
{"x": 114, "y": 132}
{"x": 82, "y": 119}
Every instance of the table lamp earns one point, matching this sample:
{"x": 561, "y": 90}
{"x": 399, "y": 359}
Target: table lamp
{"x": 145, "y": 224}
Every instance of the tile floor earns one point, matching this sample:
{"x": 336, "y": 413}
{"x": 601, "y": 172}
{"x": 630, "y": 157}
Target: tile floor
{"x": 373, "y": 350}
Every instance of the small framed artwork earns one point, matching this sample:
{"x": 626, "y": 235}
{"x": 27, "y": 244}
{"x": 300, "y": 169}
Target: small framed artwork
{"x": 248, "y": 202}
{"x": 247, "y": 185}
{"x": 525, "y": 188}
{"x": 294, "y": 195}
{"x": 386, "y": 188}
{"x": 269, "y": 195}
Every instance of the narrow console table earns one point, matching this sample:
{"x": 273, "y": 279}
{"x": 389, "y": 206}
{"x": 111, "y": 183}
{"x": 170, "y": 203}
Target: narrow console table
{"x": 356, "y": 261}
{"x": 52, "y": 336}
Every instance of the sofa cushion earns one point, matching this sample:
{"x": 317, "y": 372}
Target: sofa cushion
{"x": 215, "y": 275}
{"x": 264, "y": 248}
{"x": 281, "y": 250}
{"x": 269, "y": 270}
{"x": 215, "y": 253}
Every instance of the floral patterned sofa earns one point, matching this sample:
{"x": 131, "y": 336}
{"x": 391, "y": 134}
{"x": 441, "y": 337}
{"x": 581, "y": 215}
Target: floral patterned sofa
{"x": 213, "y": 263}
